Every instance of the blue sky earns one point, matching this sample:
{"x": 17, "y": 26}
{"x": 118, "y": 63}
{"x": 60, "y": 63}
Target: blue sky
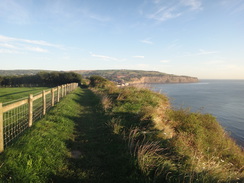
{"x": 202, "y": 38}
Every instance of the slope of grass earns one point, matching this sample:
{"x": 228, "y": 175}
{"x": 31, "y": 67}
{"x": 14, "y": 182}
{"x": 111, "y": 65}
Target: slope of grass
{"x": 171, "y": 145}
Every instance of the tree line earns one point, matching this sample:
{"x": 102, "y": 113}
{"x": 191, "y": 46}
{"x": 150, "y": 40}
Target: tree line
{"x": 48, "y": 79}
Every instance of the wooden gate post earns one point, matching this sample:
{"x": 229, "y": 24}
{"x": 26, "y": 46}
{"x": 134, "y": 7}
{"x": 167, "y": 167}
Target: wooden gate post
{"x": 30, "y": 101}
{"x": 1, "y": 129}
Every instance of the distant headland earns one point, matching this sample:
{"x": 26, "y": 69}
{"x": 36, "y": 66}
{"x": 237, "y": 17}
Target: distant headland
{"x": 118, "y": 76}
{"x": 138, "y": 76}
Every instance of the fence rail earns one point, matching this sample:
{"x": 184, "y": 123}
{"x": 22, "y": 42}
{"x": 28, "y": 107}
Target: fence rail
{"x": 18, "y": 116}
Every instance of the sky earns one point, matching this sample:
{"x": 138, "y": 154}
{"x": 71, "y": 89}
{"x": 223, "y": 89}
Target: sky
{"x": 201, "y": 38}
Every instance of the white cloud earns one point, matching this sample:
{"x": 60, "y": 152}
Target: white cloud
{"x": 165, "y": 10}
{"x": 6, "y": 45}
{"x": 204, "y": 52}
{"x": 18, "y": 45}
{"x": 98, "y": 17}
{"x": 35, "y": 42}
{"x": 164, "y": 13}
{"x": 103, "y": 57}
{"x": 193, "y": 4}
{"x": 9, "y": 51}
{"x": 37, "y": 49}
{"x": 141, "y": 57}
{"x": 147, "y": 41}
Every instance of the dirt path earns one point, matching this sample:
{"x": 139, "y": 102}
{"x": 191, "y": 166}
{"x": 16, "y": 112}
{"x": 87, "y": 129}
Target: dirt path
{"x": 97, "y": 155}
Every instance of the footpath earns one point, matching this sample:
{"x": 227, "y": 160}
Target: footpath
{"x": 97, "y": 155}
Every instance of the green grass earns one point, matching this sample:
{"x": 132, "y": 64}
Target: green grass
{"x": 122, "y": 135}
{"x": 40, "y": 152}
{"x": 171, "y": 145}
{"x": 9, "y": 94}
{"x": 72, "y": 143}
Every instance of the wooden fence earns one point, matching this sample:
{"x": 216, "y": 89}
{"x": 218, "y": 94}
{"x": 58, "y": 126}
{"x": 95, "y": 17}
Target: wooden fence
{"x": 18, "y": 116}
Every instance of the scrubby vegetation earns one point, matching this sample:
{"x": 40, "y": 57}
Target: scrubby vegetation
{"x": 40, "y": 79}
{"x": 170, "y": 145}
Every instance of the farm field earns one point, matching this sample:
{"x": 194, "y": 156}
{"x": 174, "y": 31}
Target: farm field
{"x": 9, "y": 94}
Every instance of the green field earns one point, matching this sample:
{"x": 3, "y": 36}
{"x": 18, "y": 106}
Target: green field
{"x": 9, "y": 94}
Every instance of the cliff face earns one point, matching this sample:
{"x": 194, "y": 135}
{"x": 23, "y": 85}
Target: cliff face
{"x": 164, "y": 79}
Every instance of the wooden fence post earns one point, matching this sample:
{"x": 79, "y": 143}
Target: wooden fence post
{"x": 30, "y": 101}
{"x": 52, "y": 94}
{"x": 58, "y": 93}
{"x": 1, "y": 129}
{"x": 44, "y": 101}
{"x": 65, "y": 90}
{"x": 62, "y": 87}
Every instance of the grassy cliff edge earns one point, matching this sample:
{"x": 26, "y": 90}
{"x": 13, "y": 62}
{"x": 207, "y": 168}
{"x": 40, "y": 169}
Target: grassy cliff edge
{"x": 170, "y": 145}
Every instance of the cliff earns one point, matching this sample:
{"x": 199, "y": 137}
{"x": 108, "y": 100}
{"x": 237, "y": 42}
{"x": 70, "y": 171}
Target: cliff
{"x": 138, "y": 76}
{"x": 164, "y": 79}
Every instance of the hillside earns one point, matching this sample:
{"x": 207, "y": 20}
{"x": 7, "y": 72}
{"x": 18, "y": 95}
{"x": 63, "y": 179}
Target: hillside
{"x": 20, "y": 72}
{"x": 137, "y": 76}
{"x": 119, "y": 76}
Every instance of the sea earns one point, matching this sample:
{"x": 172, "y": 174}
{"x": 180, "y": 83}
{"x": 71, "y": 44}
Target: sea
{"x": 224, "y": 99}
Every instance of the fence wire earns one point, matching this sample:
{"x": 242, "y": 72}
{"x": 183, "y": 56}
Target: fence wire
{"x": 56, "y": 97}
{"x": 37, "y": 108}
{"x": 48, "y": 101}
{"x": 15, "y": 122}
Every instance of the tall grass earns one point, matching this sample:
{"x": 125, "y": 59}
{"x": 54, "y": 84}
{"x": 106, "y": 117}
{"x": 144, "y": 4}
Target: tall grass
{"x": 172, "y": 145}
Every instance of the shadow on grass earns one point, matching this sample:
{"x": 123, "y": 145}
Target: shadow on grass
{"x": 14, "y": 93}
{"x": 98, "y": 155}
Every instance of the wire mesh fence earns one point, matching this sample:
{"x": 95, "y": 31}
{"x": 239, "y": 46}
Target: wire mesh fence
{"x": 16, "y": 116}
{"x": 15, "y": 121}
{"x": 48, "y": 101}
{"x": 37, "y": 107}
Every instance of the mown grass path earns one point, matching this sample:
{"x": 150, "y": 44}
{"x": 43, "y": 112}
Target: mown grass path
{"x": 96, "y": 154}
{"x": 72, "y": 143}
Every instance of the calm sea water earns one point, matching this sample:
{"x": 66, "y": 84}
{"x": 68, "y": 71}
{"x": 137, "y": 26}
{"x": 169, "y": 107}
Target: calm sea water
{"x": 222, "y": 98}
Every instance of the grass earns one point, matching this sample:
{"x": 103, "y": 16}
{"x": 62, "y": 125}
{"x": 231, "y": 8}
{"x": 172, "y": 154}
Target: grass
{"x": 9, "y": 94}
{"x": 72, "y": 143}
{"x": 171, "y": 145}
{"x": 122, "y": 135}
{"x": 41, "y": 151}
